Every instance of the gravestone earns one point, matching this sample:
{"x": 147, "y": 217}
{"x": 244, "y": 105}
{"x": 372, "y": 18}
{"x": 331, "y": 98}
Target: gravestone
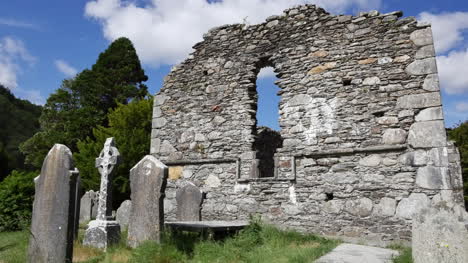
{"x": 89, "y": 203}
{"x": 440, "y": 234}
{"x": 104, "y": 230}
{"x": 189, "y": 200}
{"x": 123, "y": 214}
{"x": 52, "y": 227}
{"x": 148, "y": 182}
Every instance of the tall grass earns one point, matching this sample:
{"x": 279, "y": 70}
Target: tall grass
{"x": 256, "y": 243}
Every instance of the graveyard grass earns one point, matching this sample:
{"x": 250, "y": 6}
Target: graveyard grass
{"x": 256, "y": 243}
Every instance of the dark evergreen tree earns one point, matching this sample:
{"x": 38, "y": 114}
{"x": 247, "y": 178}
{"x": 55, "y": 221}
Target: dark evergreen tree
{"x": 82, "y": 103}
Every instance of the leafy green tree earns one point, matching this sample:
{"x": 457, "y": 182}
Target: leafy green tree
{"x": 460, "y": 135}
{"x": 130, "y": 125}
{"x": 16, "y": 199}
{"x": 19, "y": 120}
{"x": 82, "y": 103}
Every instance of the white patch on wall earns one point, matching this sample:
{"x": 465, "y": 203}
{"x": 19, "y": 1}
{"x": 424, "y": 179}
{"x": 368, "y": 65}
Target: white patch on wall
{"x": 322, "y": 114}
{"x": 241, "y": 188}
{"x": 292, "y": 194}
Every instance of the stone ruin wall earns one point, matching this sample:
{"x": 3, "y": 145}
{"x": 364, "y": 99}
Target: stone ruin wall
{"x": 364, "y": 144}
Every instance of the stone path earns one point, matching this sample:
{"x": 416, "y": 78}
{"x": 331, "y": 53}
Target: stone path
{"x": 349, "y": 253}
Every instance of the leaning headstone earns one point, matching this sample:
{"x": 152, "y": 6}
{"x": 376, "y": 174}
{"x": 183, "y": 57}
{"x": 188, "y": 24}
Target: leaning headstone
{"x": 104, "y": 230}
{"x": 440, "y": 234}
{"x": 147, "y": 183}
{"x": 52, "y": 227}
{"x": 88, "y": 203}
{"x": 123, "y": 214}
{"x": 189, "y": 199}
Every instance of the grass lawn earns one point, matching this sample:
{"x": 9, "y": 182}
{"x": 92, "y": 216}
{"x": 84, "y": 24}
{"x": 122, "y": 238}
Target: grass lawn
{"x": 256, "y": 243}
{"x": 13, "y": 246}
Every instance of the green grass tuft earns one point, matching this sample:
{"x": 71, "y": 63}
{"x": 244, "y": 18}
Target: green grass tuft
{"x": 405, "y": 254}
{"x": 14, "y": 246}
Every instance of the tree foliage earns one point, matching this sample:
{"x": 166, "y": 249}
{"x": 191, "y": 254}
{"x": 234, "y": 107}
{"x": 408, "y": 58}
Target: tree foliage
{"x": 459, "y": 134}
{"x": 82, "y": 103}
{"x": 16, "y": 199}
{"x": 19, "y": 119}
{"x": 130, "y": 125}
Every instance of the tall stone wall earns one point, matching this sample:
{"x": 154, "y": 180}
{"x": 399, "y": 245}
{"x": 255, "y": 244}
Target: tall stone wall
{"x": 363, "y": 138}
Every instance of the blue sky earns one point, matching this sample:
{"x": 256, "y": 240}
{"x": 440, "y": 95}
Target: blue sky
{"x": 41, "y": 43}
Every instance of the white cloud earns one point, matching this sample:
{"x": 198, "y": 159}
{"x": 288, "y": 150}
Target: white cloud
{"x": 452, "y": 71}
{"x": 12, "y": 53}
{"x": 17, "y": 23}
{"x": 462, "y": 107}
{"x": 266, "y": 73}
{"x": 163, "y": 31}
{"x": 65, "y": 68}
{"x": 448, "y": 29}
{"x": 33, "y": 96}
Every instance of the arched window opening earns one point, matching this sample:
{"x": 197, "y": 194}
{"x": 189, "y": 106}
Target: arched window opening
{"x": 268, "y": 138}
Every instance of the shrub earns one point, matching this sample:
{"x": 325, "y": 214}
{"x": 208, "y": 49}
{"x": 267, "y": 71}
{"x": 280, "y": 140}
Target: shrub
{"x": 16, "y": 199}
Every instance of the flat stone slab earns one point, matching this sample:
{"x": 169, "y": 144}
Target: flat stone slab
{"x": 350, "y": 253}
{"x": 202, "y": 226}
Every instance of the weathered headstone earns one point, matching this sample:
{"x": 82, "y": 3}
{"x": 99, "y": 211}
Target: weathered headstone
{"x": 76, "y": 214}
{"x": 104, "y": 230}
{"x": 123, "y": 214}
{"x": 440, "y": 234}
{"x": 52, "y": 227}
{"x": 189, "y": 199}
{"x": 148, "y": 182}
{"x": 88, "y": 204}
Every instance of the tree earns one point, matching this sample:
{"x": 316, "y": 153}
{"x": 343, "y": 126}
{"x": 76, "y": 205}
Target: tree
{"x": 16, "y": 200}
{"x": 19, "y": 120}
{"x": 82, "y": 103}
{"x": 130, "y": 125}
{"x": 459, "y": 134}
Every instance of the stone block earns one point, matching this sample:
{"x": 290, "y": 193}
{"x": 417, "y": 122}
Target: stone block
{"x": 394, "y": 136}
{"x": 427, "y": 134}
{"x": 371, "y": 160}
{"x": 371, "y": 81}
{"x": 425, "y": 52}
{"x": 422, "y": 37}
{"x": 361, "y": 207}
{"x": 52, "y": 226}
{"x": 101, "y": 233}
{"x": 440, "y": 234}
{"x": 122, "y": 216}
{"x": 430, "y": 114}
{"x": 418, "y": 101}
{"x": 431, "y": 83}
{"x": 434, "y": 178}
{"x": 148, "y": 180}
{"x": 333, "y": 206}
{"x": 386, "y": 207}
{"x": 408, "y": 207}
{"x": 189, "y": 200}
{"x": 422, "y": 67}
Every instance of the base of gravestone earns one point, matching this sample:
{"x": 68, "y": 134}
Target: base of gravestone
{"x": 101, "y": 234}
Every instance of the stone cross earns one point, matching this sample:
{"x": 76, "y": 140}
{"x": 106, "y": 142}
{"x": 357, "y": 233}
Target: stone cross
{"x": 104, "y": 230}
{"x": 107, "y": 160}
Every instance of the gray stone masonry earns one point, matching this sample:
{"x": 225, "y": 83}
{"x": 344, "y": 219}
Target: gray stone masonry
{"x": 440, "y": 233}
{"x": 52, "y": 226}
{"x": 363, "y": 147}
{"x": 104, "y": 230}
{"x": 148, "y": 180}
